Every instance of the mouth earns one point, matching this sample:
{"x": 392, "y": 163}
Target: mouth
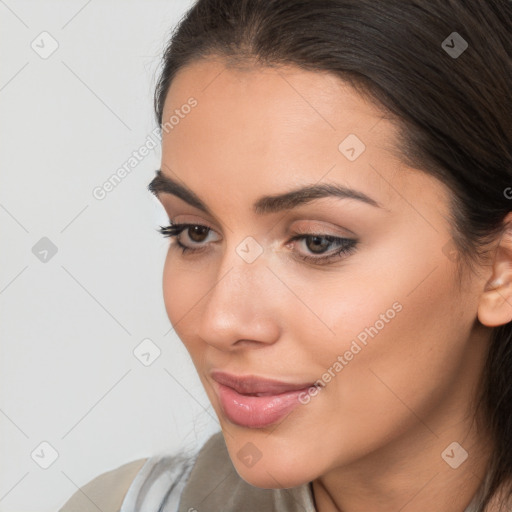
{"x": 257, "y": 386}
{"x": 255, "y": 402}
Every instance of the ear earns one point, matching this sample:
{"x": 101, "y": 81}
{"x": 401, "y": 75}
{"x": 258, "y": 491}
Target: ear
{"x": 495, "y": 305}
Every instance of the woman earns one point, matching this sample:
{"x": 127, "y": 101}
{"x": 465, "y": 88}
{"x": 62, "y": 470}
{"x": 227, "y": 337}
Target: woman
{"x": 338, "y": 176}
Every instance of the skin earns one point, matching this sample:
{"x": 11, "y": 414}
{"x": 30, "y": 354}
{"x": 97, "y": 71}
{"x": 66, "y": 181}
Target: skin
{"x": 372, "y": 438}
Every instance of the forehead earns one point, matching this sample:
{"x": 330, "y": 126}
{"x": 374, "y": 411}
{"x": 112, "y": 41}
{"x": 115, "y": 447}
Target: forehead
{"x": 260, "y": 129}
{"x": 281, "y": 97}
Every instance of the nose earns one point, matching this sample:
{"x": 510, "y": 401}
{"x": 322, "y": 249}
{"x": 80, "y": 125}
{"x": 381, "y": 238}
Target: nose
{"x": 241, "y": 310}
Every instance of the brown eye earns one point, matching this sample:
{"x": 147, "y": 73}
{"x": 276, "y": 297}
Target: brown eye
{"x": 317, "y": 244}
{"x": 196, "y": 233}
{"x": 317, "y": 247}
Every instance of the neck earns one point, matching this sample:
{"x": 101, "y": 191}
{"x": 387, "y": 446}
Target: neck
{"x": 410, "y": 474}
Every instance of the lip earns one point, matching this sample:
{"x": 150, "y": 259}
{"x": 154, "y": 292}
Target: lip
{"x": 256, "y": 402}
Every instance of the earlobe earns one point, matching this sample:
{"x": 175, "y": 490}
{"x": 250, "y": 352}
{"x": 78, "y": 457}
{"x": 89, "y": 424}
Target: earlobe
{"x": 495, "y": 305}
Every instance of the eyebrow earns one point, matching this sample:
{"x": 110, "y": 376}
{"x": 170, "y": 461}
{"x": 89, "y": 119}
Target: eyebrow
{"x": 265, "y": 204}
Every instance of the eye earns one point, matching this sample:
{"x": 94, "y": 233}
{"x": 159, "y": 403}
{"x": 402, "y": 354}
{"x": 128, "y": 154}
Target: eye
{"x": 345, "y": 246}
{"x": 194, "y": 231}
{"x": 315, "y": 243}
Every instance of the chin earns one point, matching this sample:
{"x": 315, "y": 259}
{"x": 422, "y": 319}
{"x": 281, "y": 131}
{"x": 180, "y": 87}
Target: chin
{"x": 270, "y": 476}
{"x": 274, "y": 469}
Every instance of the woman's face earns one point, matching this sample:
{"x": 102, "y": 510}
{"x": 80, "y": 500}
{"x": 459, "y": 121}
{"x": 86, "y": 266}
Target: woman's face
{"x": 383, "y": 329}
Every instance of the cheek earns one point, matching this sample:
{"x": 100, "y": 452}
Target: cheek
{"x": 403, "y": 348}
{"x": 400, "y": 328}
{"x": 181, "y": 291}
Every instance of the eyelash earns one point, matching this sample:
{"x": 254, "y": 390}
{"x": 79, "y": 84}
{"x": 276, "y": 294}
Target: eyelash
{"x": 348, "y": 245}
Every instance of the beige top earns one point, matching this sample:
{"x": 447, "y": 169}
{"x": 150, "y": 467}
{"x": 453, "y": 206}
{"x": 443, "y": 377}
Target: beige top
{"x": 205, "y": 482}
{"x": 105, "y": 492}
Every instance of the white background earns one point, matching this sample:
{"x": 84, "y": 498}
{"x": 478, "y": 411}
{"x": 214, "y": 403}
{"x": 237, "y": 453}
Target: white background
{"x": 69, "y": 325}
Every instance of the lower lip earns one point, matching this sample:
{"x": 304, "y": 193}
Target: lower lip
{"x": 257, "y": 411}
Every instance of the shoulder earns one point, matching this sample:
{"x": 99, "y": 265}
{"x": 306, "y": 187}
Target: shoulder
{"x": 105, "y": 492}
{"x": 145, "y": 481}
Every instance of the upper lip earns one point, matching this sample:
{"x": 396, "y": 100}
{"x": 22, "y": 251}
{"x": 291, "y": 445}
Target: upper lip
{"x": 250, "y": 384}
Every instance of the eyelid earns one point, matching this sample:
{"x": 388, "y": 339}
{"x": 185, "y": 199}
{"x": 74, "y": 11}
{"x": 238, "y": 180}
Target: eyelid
{"x": 190, "y": 218}
{"x": 186, "y": 210}
{"x": 308, "y": 226}
{"x": 325, "y": 215}
{"x": 319, "y": 227}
